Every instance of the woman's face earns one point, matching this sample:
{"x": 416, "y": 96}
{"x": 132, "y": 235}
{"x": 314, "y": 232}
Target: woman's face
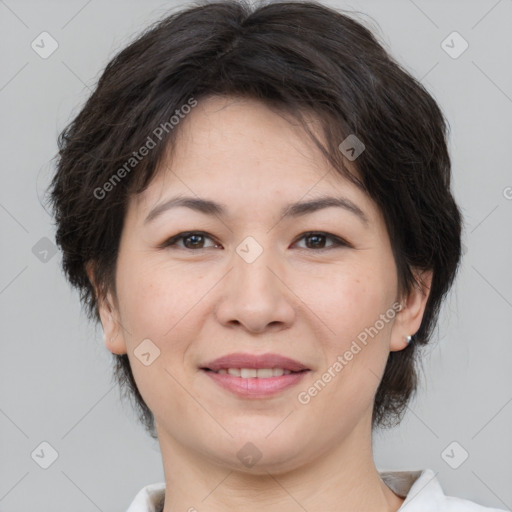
{"x": 252, "y": 281}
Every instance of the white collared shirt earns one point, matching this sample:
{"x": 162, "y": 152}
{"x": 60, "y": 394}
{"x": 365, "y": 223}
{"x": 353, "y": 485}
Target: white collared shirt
{"x": 422, "y": 491}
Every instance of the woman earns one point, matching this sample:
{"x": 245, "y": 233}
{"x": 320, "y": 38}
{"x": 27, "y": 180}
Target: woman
{"x": 255, "y": 202}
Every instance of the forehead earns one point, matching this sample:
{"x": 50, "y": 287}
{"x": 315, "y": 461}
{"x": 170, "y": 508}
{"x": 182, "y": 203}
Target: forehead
{"x": 233, "y": 147}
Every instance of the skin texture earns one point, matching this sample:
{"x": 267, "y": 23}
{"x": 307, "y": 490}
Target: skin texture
{"x": 297, "y": 300}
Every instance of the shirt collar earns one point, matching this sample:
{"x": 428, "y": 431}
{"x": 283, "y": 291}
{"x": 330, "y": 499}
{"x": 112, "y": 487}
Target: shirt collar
{"x": 420, "y": 488}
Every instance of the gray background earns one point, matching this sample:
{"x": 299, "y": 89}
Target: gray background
{"x": 55, "y": 383}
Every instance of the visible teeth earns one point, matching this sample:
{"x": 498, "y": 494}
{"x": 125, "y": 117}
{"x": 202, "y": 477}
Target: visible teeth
{"x": 264, "y": 373}
{"x": 260, "y": 373}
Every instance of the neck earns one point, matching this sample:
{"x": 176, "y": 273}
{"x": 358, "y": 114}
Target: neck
{"x": 343, "y": 479}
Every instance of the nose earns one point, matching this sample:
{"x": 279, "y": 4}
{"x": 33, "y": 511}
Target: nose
{"x": 256, "y": 295}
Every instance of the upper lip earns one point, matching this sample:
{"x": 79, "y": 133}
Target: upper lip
{"x": 245, "y": 360}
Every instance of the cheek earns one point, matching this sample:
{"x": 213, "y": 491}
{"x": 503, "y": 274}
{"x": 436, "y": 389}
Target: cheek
{"x": 350, "y": 304}
{"x": 155, "y": 299}
{"x": 348, "y": 300}
{"x": 157, "y": 304}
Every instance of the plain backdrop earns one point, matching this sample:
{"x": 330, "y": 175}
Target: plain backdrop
{"x": 55, "y": 374}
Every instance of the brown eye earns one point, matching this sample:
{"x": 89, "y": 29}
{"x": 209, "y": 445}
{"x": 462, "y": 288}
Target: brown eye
{"x": 192, "y": 240}
{"x": 317, "y": 240}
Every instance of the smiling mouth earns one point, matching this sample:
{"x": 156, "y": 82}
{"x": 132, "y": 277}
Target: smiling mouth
{"x": 255, "y": 383}
{"x": 254, "y": 373}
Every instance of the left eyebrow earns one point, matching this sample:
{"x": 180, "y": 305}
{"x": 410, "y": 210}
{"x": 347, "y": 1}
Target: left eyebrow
{"x": 209, "y": 207}
{"x": 305, "y": 207}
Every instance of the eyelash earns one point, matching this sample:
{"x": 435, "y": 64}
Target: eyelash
{"x": 172, "y": 242}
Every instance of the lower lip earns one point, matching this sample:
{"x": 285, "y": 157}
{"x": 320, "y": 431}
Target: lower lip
{"x": 254, "y": 387}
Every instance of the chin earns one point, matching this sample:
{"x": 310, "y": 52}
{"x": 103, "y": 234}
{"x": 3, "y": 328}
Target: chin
{"x": 259, "y": 455}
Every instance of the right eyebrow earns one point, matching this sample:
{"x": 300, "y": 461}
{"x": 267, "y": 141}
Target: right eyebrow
{"x": 210, "y": 207}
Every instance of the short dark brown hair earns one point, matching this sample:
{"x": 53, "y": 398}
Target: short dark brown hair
{"x": 298, "y": 58}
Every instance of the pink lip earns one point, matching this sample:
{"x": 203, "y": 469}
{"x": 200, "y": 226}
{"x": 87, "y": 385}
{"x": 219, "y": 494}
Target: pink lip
{"x": 255, "y": 387}
{"x": 243, "y": 360}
